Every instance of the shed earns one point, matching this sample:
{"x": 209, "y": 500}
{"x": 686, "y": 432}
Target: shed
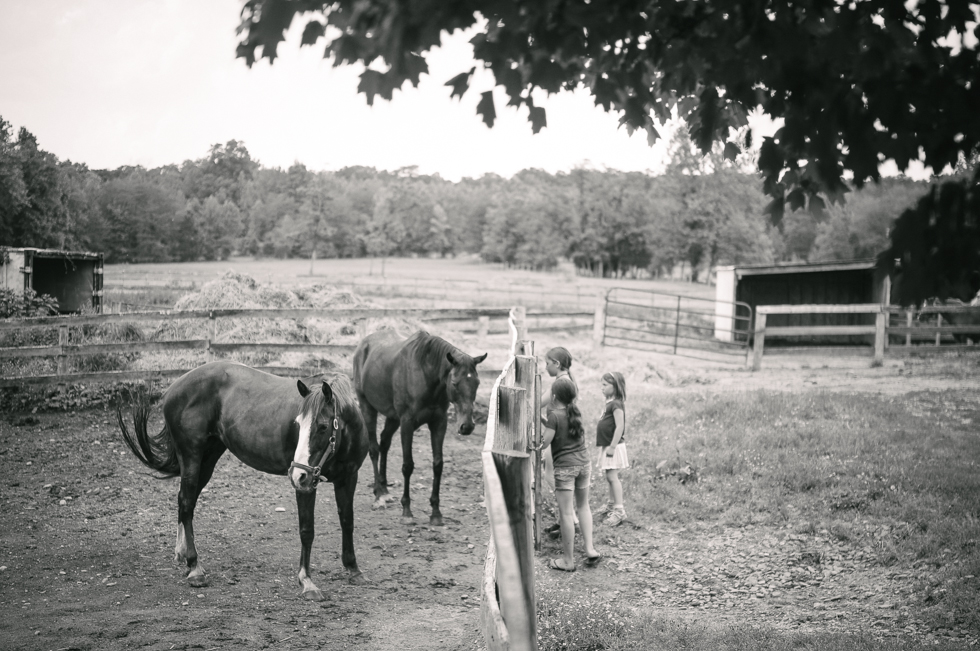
{"x": 72, "y": 277}
{"x": 818, "y": 283}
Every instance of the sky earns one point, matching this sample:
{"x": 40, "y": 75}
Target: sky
{"x": 156, "y": 82}
{"x": 136, "y": 82}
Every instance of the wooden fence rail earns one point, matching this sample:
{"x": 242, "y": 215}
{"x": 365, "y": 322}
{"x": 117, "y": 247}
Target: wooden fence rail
{"x": 211, "y": 348}
{"x": 881, "y": 330}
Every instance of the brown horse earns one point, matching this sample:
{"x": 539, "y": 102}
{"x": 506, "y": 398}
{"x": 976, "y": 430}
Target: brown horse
{"x": 411, "y": 383}
{"x": 272, "y": 424}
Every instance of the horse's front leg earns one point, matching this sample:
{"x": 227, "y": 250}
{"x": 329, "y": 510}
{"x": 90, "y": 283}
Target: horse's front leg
{"x": 408, "y": 467}
{"x": 343, "y": 490}
{"x": 437, "y": 428}
{"x": 305, "y": 505}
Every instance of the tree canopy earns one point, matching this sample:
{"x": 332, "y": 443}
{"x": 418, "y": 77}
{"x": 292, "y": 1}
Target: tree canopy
{"x": 854, "y": 84}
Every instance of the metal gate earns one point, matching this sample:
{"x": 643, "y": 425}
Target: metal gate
{"x": 680, "y": 325}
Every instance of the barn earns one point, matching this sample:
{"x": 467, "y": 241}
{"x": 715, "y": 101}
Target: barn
{"x": 72, "y": 277}
{"x": 819, "y": 283}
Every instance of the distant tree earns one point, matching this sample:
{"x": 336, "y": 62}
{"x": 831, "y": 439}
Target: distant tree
{"x": 139, "y": 217}
{"x": 223, "y": 174}
{"x": 852, "y": 84}
{"x": 31, "y": 208}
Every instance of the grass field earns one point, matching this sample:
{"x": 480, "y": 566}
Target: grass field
{"x": 891, "y": 482}
{"x": 428, "y": 282}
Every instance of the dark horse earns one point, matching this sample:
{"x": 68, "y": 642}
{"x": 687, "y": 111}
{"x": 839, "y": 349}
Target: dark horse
{"x": 411, "y": 383}
{"x": 272, "y": 424}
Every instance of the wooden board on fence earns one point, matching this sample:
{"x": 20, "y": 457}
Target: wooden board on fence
{"x": 514, "y": 470}
{"x": 491, "y": 621}
{"x": 512, "y": 419}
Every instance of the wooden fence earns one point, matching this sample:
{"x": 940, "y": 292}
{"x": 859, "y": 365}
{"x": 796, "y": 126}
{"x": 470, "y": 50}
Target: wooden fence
{"x": 473, "y": 320}
{"x": 508, "y": 607}
{"x": 915, "y": 329}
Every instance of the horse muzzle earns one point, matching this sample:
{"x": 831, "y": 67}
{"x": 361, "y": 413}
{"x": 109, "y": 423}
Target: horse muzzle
{"x": 466, "y": 428}
{"x": 303, "y": 480}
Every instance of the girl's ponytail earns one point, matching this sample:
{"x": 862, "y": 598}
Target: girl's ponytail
{"x": 565, "y": 392}
{"x": 575, "y": 428}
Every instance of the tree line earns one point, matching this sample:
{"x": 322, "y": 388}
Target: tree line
{"x": 700, "y": 212}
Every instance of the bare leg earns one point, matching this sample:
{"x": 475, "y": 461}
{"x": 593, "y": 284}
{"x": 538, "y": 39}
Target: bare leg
{"x": 585, "y": 520}
{"x": 437, "y": 428}
{"x": 408, "y": 467}
{"x": 305, "y": 506}
{"x": 566, "y": 520}
{"x": 615, "y": 488}
{"x": 343, "y": 489}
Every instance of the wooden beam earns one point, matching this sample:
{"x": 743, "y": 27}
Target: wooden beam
{"x": 857, "y": 308}
{"x": 796, "y": 331}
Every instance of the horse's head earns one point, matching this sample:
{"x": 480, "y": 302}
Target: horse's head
{"x": 326, "y": 422}
{"x": 463, "y": 383}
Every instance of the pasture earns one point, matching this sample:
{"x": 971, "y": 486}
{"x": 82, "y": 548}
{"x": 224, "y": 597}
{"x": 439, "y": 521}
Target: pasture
{"x": 816, "y": 504}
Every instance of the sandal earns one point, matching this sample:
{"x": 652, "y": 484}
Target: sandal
{"x": 592, "y": 561}
{"x": 555, "y": 565}
{"x": 616, "y": 517}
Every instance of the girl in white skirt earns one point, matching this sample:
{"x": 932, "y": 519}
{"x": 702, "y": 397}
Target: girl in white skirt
{"x": 612, "y": 446}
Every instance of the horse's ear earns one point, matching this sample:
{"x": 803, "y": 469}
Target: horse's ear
{"x": 477, "y": 360}
{"x": 327, "y": 392}
{"x": 451, "y": 359}
{"x": 303, "y": 389}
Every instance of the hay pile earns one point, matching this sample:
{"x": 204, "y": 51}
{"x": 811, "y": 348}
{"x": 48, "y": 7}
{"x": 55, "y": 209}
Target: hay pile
{"x": 240, "y": 291}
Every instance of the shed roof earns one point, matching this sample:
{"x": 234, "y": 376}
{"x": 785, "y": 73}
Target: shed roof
{"x": 56, "y": 253}
{"x": 800, "y": 267}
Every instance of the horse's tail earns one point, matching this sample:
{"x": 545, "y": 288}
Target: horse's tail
{"x": 155, "y": 452}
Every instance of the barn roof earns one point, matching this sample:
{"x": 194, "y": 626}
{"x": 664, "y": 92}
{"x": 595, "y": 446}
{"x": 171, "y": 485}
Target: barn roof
{"x": 799, "y": 267}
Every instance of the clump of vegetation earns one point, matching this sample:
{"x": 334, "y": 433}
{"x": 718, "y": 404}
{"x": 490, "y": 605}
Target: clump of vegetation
{"x": 15, "y": 304}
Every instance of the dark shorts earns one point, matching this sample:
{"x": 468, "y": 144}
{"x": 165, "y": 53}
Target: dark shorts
{"x": 571, "y": 477}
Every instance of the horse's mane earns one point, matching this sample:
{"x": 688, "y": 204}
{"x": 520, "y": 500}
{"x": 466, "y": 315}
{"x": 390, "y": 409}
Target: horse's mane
{"x": 343, "y": 395}
{"x": 430, "y": 351}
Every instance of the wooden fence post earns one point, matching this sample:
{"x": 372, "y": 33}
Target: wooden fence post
{"x": 212, "y": 335}
{"x": 908, "y": 324}
{"x": 599, "y": 321}
{"x": 939, "y": 324}
{"x": 538, "y": 462}
{"x": 62, "y": 361}
{"x": 760, "y": 341}
{"x": 880, "y": 336}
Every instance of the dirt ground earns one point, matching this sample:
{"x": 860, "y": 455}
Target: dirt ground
{"x": 87, "y": 541}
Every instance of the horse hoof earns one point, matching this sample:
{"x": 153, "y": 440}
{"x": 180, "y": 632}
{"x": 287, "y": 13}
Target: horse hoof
{"x": 358, "y": 579}
{"x": 312, "y": 595}
{"x": 408, "y": 519}
{"x": 198, "y": 581}
{"x": 436, "y": 521}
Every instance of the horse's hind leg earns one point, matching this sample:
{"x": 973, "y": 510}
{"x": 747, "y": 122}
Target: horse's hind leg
{"x": 305, "y": 504}
{"x": 381, "y": 477}
{"x": 195, "y": 475}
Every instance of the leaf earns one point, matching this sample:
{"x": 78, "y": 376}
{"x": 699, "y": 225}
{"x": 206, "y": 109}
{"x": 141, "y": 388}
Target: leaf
{"x": 485, "y": 108}
{"x": 460, "y": 83}
{"x": 370, "y": 84}
{"x": 537, "y": 118}
{"x": 313, "y": 31}
{"x": 732, "y": 151}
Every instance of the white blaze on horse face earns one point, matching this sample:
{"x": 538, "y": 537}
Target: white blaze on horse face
{"x": 305, "y": 422}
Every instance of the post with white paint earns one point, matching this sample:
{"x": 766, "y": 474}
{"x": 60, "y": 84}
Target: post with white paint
{"x": 760, "y": 340}
{"x": 880, "y": 337}
{"x": 599, "y": 321}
